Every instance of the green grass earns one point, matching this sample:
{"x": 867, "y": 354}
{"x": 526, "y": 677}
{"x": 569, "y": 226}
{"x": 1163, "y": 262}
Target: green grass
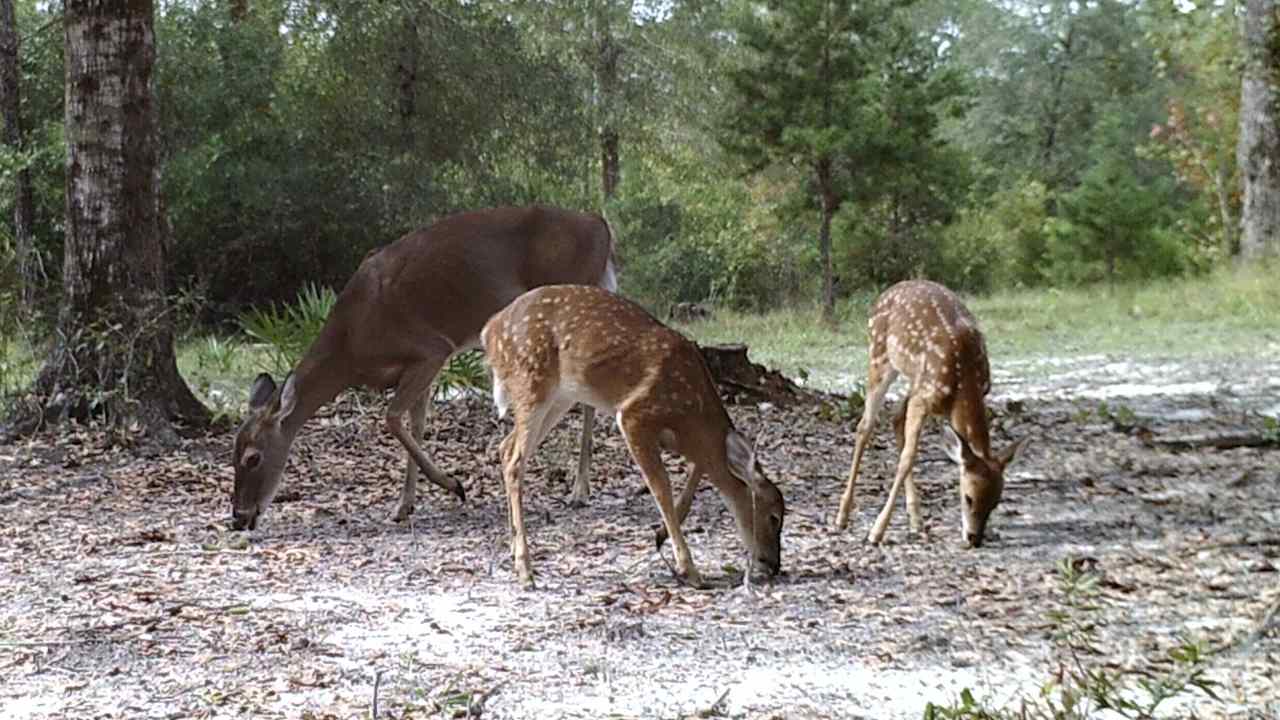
{"x": 221, "y": 370}
{"x": 18, "y": 366}
{"x": 1225, "y": 314}
{"x": 1222, "y": 314}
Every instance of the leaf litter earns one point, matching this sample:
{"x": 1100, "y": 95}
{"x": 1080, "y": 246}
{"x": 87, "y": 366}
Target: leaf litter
{"x": 125, "y": 594}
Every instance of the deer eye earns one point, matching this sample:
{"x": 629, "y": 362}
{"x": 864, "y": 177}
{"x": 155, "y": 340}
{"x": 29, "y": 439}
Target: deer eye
{"x": 968, "y": 500}
{"x": 251, "y": 459}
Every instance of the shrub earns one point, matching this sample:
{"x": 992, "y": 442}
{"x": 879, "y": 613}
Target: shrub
{"x": 289, "y": 330}
{"x": 1083, "y": 688}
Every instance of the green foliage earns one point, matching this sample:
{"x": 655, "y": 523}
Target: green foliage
{"x": 1111, "y": 228}
{"x": 292, "y": 153}
{"x": 1271, "y": 429}
{"x": 688, "y": 236}
{"x": 288, "y": 330}
{"x": 1083, "y": 688}
{"x": 294, "y": 139}
{"x": 852, "y": 96}
{"x": 1000, "y": 243}
{"x": 465, "y": 372}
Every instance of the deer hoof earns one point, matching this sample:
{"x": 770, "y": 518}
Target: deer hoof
{"x": 660, "y": 537}
{"x": 692, "y": 578}
{"x": 459, "y": 492}
{"x": 402, "y": 513}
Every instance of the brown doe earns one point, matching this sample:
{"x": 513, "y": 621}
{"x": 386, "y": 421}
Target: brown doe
{"x": 920, "y": 329}
{"x": 562, "y": 344}
{"x": 409, "y": 307}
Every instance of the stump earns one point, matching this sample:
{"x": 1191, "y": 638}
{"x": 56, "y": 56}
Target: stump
{"x": 741, "y": 380}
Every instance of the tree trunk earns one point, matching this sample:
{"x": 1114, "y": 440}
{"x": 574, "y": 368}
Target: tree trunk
{"x": 607, "y": 54}
{"x": 830, "y": 204}
{"x": 1258, "y": 153}
{"x": 407, "y": 78}
{"x": 114, "y": 350}
{"x": 29, "y": 266}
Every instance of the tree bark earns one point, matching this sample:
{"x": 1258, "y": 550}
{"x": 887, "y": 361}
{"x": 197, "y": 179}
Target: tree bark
{"x": 607, "y": 54}
{"x": 407, "y": 78}
{"x": 29, "y": 266}
{"x": 1258, "y": 152}
{"x": 113, "y": 355}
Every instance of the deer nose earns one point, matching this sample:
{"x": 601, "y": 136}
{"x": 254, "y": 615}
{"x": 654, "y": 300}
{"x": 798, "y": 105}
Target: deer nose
{"x": 975, "y": 540}
{"x": 244, "y": 519}
{"x": 772, "y": 566}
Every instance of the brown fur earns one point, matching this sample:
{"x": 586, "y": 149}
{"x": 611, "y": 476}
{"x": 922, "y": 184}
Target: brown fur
{"x": 923, "y": 331}
{"x": 562, "y": 344}
{"x": 407, "y": 308}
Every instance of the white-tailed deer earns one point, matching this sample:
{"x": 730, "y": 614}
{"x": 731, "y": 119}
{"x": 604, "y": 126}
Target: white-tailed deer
{"x": 409, "y": 307}
{"x": 562, "y": 344}
{"x": 920, "y": 329}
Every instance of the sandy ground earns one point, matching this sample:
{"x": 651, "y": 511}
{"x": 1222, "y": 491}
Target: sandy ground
{"x": 123, "y": 594}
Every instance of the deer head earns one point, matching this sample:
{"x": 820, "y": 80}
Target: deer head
{"x": 981, "y": 483}
{"x": 758, "y": 512}
{"x": 261, "y": 448}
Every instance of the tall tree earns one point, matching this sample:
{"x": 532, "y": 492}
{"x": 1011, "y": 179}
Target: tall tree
{"x": 1259, "y": 149}
{"x": 839, "y": 90}
{"x": 113, "y": 353}
{"x": 606, "y": 53}
{"x": 23, "y": 203}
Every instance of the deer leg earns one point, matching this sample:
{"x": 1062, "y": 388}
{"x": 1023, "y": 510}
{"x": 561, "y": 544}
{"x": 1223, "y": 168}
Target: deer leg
{"x": 412, "y": 389}
{"x": 530, "y": 430}
{"x": 913, "y": 493}
{"x": 408, "y": 493}
{"x": 866, "y": 427}
{"x": 581, "y": 483}
{"x": 515, "y": 456}
{"x": 647, "y": 455}
{"x": 683, "y": 504}
{"x": 916, "y": 413}
{"x": 553, "y": 415}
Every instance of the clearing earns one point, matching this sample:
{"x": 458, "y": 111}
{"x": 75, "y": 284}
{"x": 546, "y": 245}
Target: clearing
{"x": 124, "y": 595}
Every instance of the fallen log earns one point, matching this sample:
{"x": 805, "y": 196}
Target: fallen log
{"x": 1220, "y": 441}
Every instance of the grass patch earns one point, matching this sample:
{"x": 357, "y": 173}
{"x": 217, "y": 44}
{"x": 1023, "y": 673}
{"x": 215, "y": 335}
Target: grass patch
{"x": 1225, "y": 314}
{"x": 220, "y": 370}
{"x": 1219, "y": 315}
{"x": 794, "y": 341}
{"x": 18, "y": 366}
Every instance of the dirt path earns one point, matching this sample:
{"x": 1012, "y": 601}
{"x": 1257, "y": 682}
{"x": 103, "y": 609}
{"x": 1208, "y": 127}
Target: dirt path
{"x": 123, "y": 595}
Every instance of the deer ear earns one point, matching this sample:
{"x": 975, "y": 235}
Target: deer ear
{"x": 957, "y": 449}
{"x": 741, "y": 456}
{"x": 288, "y": 398}
{"x": 263, "y": 388}
{"x": 1011, "y": 452}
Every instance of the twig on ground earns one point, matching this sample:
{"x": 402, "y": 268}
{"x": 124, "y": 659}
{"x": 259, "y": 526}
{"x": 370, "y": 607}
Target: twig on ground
{"x": 377, "y": 683}
{"x": 476, "y": 707}
{"x": 717, "y": 708}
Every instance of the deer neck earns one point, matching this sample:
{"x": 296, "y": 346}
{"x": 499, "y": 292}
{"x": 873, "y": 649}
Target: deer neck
{"x": 969, "y": 420}
{"x": 318, "y": 378}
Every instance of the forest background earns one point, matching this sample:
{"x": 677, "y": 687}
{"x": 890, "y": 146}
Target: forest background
{"x": 753, "y": 155}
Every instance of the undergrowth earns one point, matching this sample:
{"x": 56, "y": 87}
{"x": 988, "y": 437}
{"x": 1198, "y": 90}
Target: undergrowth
{"x": 1228, "y": 313}
{"x": 1083, "y": 687}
